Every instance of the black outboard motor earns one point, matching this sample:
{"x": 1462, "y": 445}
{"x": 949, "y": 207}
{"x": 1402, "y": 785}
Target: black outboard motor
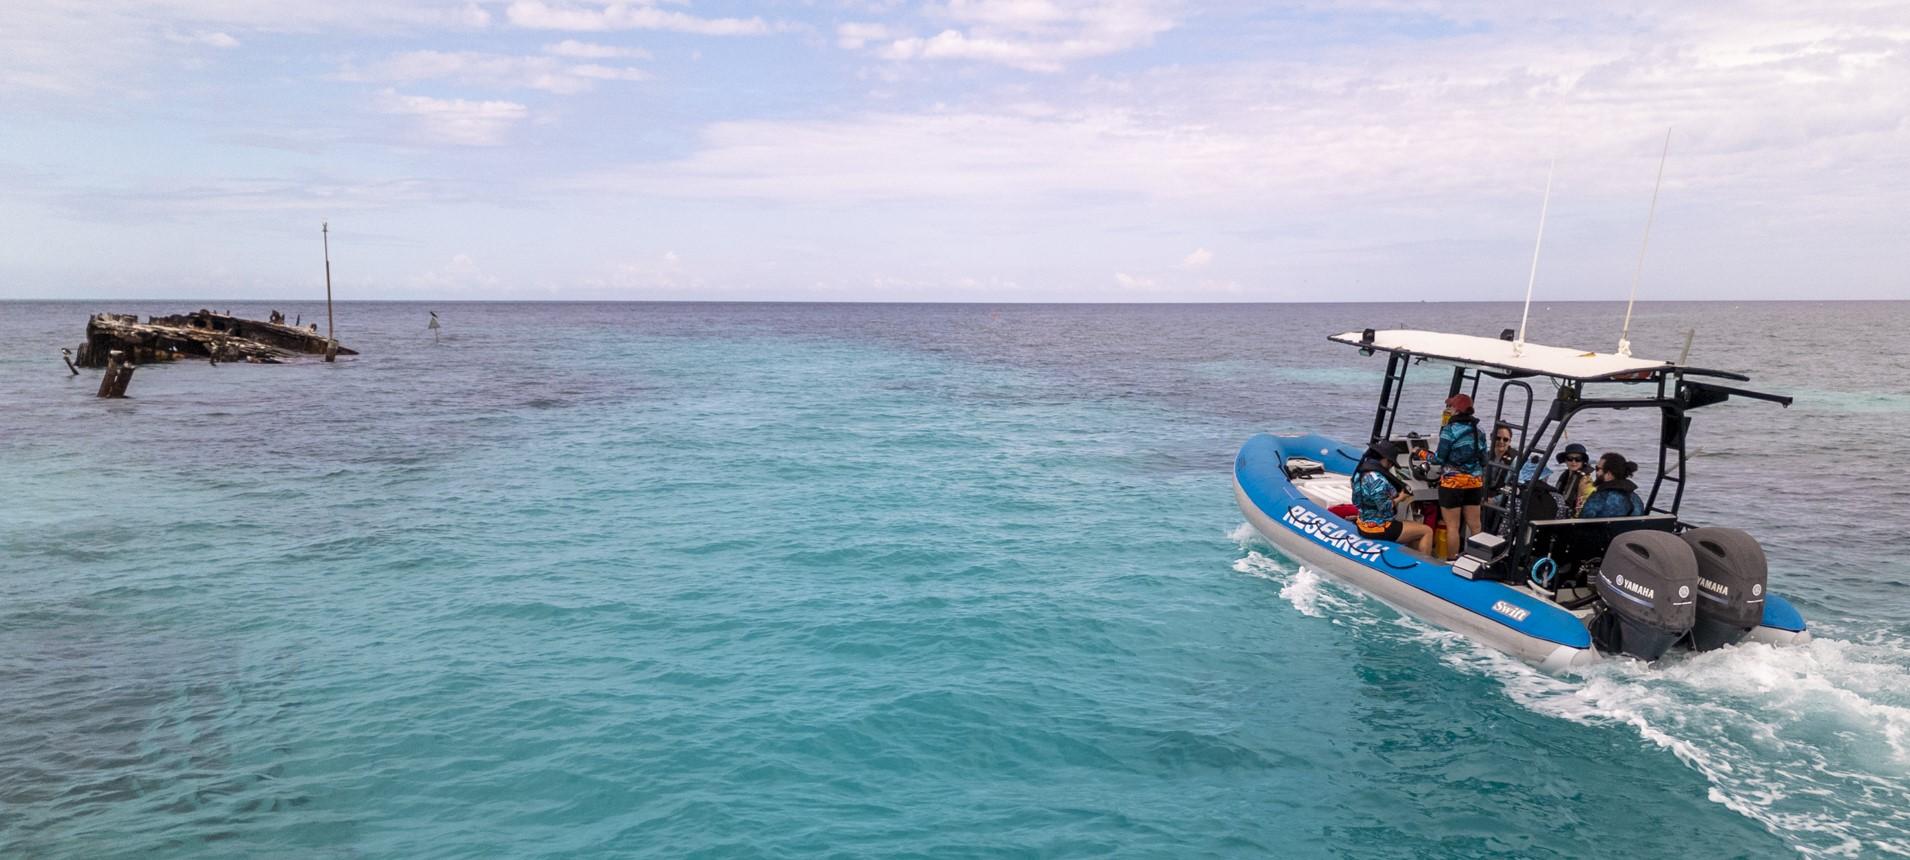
{"x": 1647, "y": 582}
{"x": 1731, "y": 574}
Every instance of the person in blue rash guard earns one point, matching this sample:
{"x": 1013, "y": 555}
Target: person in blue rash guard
{"x": 1614, "y": 494}
{"x": 1462, "y": 479}
{"x": 1378, "y": 500}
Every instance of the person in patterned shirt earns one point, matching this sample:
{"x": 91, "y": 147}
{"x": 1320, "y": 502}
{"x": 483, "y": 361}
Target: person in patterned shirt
{"x": 1462, "y": 477}
{"x": 1378, "y": 500}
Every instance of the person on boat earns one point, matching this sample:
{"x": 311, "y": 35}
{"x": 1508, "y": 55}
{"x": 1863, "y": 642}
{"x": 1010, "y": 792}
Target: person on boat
{"x": 1534, "y": 468}
{"x": 1502, "y": 463}
{"x": 1575, "y": 484}
{"x": 1462, "y": 479}
{"x": 1614, "y": 494}
{"x": 1532, "y": 493}
{"x": 1502, "y": 454}
{"x": 1378, "y": 496}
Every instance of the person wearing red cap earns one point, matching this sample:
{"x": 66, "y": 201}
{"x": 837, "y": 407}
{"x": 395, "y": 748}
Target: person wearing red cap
{"x": 1461, "y": 457}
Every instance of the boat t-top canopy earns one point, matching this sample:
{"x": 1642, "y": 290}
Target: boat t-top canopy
{"x": 1530, "y": 359}
{"x": 1669, "y": 391}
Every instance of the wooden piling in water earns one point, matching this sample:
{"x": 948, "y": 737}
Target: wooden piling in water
{"x": 118, "y": 375}
{"x": 331, "y": 334}
{"x": 125, "y": 379}
{"x": 106, "y": 379}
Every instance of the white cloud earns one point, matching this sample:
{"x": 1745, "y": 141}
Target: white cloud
{"x": 662, "y": 276}
{"x": 549, "y": 74}
{"x": 1383, "y": 143}
{"x": 59, "y": 48}
{"x": 211, "y": 39}
{"x": 1359, "y": 164}
{"x": 1025, "y": 156}
{"x": 537, "y": 15}
{"x": 459, "y": 276}
{"x": 1468, "y": 120}
{"x": 456, "y": 121}
{"x": 476, "y": 17}
{"x": 1133, "y": 282}
{"x": 591, "y": 51}
{"x": 853, "y": 35}
{"x": 194, "y": 201}
{"x": 1038, "y": 35}
{"x": 594, "y": 71}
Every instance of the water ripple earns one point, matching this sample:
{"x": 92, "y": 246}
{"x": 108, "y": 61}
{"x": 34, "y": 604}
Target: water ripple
{"x": 691, "y": 580}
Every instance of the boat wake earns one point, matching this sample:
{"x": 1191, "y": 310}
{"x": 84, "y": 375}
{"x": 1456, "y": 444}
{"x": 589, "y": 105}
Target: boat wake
{"x": 1302, "y": 587}
{"x": 1812, "y": 741}
{"x": 1809, "y": 741}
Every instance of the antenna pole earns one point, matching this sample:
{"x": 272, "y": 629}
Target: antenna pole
{"x": 1518, "y": 345}
{"x": 1624, "y": 343}
{"x": 331, "y": 335}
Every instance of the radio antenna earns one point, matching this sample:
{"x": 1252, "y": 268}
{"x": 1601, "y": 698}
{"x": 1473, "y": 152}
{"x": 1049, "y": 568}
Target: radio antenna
{"x": 1624, "y": 344}
{"x": 1518, "y": 345}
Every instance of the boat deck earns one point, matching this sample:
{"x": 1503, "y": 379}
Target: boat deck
{"x": 1330, "y": 489}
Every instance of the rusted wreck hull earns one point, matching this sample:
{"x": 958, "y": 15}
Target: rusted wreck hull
{"x": 201, "y": 334}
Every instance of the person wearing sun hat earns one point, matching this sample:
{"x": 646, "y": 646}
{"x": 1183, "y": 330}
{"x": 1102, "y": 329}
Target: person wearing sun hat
{"x": 1576, "y": 482}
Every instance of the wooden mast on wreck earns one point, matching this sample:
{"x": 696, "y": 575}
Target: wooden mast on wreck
{"x": 331, "y": 335}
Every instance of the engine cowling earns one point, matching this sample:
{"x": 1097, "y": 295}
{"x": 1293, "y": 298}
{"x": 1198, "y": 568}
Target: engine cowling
{"x": 1731, "y": 575}
{"x": 1648, "y": 582}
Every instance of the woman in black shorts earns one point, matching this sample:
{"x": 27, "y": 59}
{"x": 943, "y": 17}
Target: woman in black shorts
{"x": 1462, "y": 478}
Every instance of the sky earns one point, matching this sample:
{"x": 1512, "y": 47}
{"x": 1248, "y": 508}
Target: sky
{"x": 958, "y": 150}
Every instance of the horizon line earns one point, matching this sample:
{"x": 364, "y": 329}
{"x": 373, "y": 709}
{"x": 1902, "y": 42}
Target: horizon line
{"x": 551, "y": 301}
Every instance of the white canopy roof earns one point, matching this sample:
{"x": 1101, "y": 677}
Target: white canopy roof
{"x": 1492, "y": 352}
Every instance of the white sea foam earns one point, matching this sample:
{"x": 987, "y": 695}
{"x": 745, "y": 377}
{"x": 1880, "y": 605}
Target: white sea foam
{"x": 1804, "y": 740}
{"x": 1812, "y": 742}
{"x": 1309, "y": 592}
{"x": 1303, "y": 591}
{"x": 1256, "y": 563}
{"x": 1299, "y": 586}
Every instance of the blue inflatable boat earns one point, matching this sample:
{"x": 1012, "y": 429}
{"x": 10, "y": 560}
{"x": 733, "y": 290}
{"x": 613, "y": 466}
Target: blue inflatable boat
{"x": 1552, "y": 590}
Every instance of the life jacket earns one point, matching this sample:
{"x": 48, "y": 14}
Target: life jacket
{"x": 1462, "y": 451}
{"x": 1617, "y": 498}
{"x": 1575, "y": 487}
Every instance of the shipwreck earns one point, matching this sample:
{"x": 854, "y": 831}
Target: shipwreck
{"x": 201, "y": 334}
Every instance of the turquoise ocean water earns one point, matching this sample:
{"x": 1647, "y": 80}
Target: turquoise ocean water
{"x": 684, "y": 580}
